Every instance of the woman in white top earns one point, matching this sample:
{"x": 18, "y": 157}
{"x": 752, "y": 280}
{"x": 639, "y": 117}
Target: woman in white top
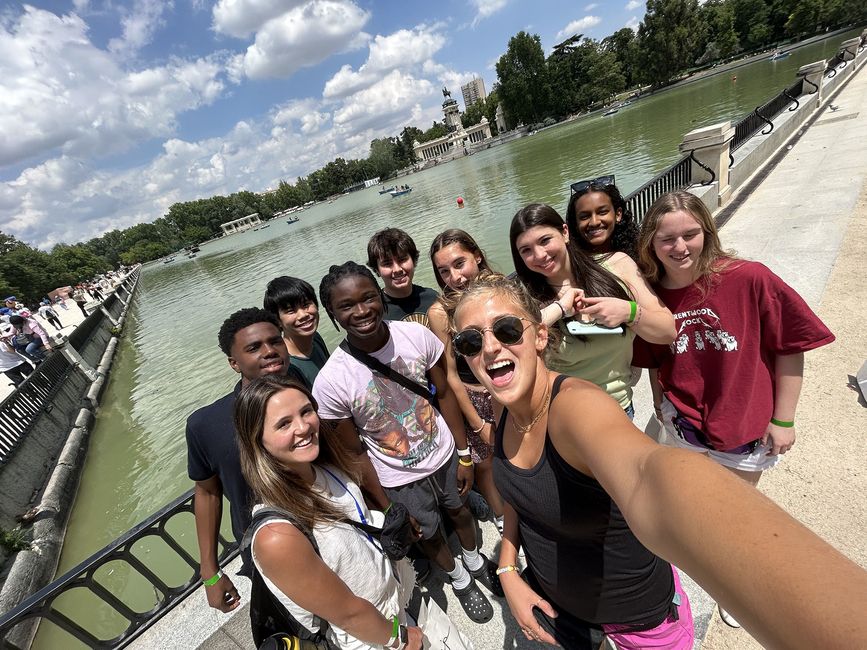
{"x": 350, "y": 583}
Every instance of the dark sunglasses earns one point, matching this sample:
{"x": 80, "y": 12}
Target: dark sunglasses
{"x": 582, "y": 186}
{"x": 508, "y": 330}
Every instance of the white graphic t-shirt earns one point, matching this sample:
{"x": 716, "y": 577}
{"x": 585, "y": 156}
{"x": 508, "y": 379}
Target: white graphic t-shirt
{"x": 407, "y": 439}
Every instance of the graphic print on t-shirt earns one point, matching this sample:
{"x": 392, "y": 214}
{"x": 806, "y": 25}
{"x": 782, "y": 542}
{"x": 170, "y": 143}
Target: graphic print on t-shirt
{"x": 701, "y": 329}
{"x": 403, "y": 425}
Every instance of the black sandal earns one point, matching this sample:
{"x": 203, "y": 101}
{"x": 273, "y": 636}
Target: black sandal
{"x": 475, "y": 603}
{"x": 487, "y": 575}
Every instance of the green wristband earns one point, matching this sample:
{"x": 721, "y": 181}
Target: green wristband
{"x": 783, "y": 423}
{"x": 210, "y": 582}
{"x": 395, "y": 627}
{"x": 633, "y": 308}
{"x": 385, "y": 512}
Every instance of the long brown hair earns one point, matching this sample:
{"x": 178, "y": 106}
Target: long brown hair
{"x": 596, "y": 280}
{"x": 463, "y": 239}
{"x": 272, "y": 483}
{"x": 712, "y": 260}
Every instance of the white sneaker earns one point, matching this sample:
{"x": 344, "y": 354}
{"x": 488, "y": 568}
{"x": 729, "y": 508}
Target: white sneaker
{"x": 727, "y": 618}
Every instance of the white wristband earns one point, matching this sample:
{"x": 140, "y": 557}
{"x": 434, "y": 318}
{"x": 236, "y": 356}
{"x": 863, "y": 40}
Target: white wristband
{"x": 463, "y": 453}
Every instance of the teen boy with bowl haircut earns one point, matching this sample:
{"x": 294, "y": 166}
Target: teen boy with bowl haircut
{"x": 392, "y": 255}
{"x": 252, "y": 342}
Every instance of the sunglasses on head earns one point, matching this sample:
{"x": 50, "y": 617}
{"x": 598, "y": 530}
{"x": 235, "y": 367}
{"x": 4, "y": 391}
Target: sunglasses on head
{"x": 508, "y": 330}
{"x": 582, "y": 186}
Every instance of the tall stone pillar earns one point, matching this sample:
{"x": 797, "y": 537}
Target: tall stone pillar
{"x": 813, "y": 73}
{"x": 710, "y": 146}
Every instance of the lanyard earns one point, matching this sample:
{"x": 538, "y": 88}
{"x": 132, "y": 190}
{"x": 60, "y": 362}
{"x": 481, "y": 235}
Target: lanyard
{"x": 358, "y": 509}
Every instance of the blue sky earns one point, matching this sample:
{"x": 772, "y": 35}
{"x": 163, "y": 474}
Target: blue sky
{"x": 112, "y": 111}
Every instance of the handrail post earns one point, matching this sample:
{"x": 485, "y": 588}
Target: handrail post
{"x": 710, "y": 147}
{"x": 813, "y": 73}
{"x": 849, "y": 48}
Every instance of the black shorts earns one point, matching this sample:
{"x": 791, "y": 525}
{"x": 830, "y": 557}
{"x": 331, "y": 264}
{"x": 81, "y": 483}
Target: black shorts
{"x": 425, "y": 497}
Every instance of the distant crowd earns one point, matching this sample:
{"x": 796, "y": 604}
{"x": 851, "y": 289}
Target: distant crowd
{"x": 511, "y": 399}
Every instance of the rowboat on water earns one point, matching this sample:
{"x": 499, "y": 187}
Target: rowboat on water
{"x": 401, "y": 192}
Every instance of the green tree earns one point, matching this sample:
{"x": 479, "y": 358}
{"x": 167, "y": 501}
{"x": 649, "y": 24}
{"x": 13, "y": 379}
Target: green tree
{"x": 524, "y": 88}
{"x": 751, "y": 22}
{"x": 624, "y": 45}
{"x": 437, "y": 130}
{"x": 474, "y": 114}
{"x": 75, "y": 262}
{"x": 668, "y": 39}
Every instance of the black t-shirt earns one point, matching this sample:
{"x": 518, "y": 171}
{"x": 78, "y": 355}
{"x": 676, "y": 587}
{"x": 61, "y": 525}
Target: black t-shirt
{"x": 213, "y": 451}
{"x": 309, "y": 368}
{"x": 412, "y": 308}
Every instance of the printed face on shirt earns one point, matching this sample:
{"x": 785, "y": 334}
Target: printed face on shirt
{"x": 257, "y": 350}
{"x": 544, "y": 250}
{"x": 299, "y": 320}
{"x": 596, "y": 218}
{"x": 357, "y": 306}
{"x": 508, "y": 372}
{"x": 456, "y": 266}
{"x": 396, "y": 273}
{"x": 678, "y": 243}
{"x": 291, "y": 429}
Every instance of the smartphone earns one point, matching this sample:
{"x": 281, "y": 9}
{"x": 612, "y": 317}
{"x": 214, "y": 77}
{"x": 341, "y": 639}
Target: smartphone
{"x": 577, "y": 328}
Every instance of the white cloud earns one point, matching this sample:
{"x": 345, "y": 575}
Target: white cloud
{"x": 591, "y": 6}
{"x": 633, "y": 23}
{"x": 303, "y": 36}
{"x": 486, "y": 8}
{"x": 240, "y": 18}
{"x": 578, "y": 26}
{"x": 403, "y": 48}
{"x": 392, "y": 98}
{"x": 139, "y": 26}
{"x": 58, "y": 92}
{"x": 634, "y": 4}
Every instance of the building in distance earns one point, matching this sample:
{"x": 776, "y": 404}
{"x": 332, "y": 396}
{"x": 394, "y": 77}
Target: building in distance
{"x": 473, "y": 91}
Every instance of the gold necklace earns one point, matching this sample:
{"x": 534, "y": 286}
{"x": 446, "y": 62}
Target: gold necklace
{"x": 525, "y": 429}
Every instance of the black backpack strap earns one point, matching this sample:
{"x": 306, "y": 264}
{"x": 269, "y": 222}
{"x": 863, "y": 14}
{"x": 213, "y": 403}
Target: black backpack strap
{"x": 387, "y": 371}
{"x": 260, "y": 518}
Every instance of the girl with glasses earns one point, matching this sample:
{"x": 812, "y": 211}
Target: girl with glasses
{"x": 348, "y": 581}
{"x": 457, "y": 261}
{"x": 728, "y": 386}
{"x": 599, "y": 220}
{"x": 573, "y": 286}
{"x": 597, "y": 505}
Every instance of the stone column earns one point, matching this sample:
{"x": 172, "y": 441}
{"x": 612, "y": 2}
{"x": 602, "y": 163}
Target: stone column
{"x": 710, "y": 146}
{"x": 813, "y": 73}
{"x": 849, "y": 48}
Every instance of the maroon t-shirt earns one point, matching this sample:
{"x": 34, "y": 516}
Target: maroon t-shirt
{"x": 719, "y": 372}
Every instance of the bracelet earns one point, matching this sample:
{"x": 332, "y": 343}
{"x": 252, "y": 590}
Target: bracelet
{"x": 387, "y": 508}
{"x": 562, "y": 308}
{"x": 786, "y": 424}
{"x": 637, "y": 318}
{"x": 210, "y": 582}
{"x": 395, "y": 633}
{"x": 633, "y": 307}
{"x": 465, "y": 462}
{"x": 479, "y": 430}
{"x": 463, "y": 453}
{"x": 506, "y": 569}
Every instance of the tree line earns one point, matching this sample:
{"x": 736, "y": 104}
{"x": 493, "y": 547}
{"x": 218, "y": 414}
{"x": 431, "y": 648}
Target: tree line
{"x": 675, "y": 37}
{"x": 579, "y": 73}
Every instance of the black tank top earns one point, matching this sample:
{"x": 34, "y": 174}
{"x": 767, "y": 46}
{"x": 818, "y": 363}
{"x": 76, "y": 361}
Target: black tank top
{"x": 578, "y": 544}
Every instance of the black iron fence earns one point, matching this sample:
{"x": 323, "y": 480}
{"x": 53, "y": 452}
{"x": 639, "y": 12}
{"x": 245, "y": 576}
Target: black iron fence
{"x": 676, "y": 177}
{"x": 19, "y": 411}
{"x": 760, "y": 120}
{"x": 151, "y": 550}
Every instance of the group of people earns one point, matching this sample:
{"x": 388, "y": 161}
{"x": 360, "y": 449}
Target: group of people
{"x": 521, "y": 387}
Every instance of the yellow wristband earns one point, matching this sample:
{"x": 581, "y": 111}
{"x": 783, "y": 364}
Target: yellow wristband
{"x": 465, "y": 462}
{"x": 506, "y": 569}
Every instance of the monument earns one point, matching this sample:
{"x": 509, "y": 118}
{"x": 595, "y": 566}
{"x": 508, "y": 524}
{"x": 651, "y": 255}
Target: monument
{"x": 458, "y": 139}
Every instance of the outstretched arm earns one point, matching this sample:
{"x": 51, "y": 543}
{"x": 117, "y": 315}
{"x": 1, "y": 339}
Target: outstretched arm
{"x": 785, "y": 585}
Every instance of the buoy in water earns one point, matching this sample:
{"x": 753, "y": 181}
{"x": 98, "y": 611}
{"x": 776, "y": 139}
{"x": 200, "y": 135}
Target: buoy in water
{"x": 460, "y": 202}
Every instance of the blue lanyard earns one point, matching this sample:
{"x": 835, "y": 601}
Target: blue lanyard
{"x": 358, "y": 509}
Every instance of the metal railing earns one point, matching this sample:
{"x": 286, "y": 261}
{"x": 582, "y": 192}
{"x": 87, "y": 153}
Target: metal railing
{"x": 676, "y": 177}
{"x": 19, "y": 411}
{"x": 43, "y": 604}
{"x": 760, "y": 120}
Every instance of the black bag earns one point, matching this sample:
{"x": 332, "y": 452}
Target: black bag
{"x": 396, "y": 535}
{"x": 270, "y": 621}
{"x": 428, "y": 392}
